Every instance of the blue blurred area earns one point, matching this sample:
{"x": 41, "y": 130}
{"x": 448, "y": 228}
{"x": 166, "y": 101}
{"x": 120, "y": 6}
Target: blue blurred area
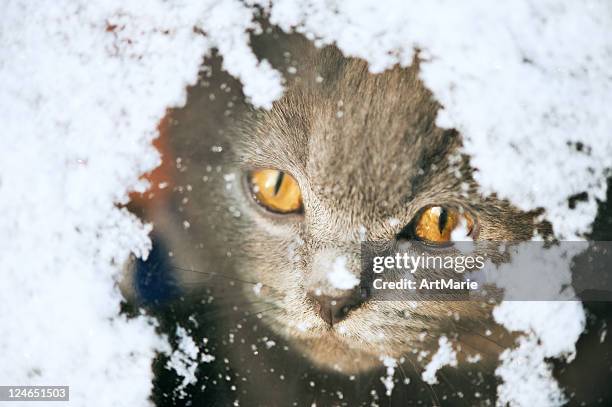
{"x": 154, "y": 280}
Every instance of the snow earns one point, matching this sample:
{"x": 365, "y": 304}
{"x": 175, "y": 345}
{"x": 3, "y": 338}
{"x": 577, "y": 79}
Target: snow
{"x": 184, "y": 360}
{"x": 554, "y": 276}
{"x": 527, "y": 381}
{"x": 551, "y": 327}
{"x": 226, "y": 23}
{"x": 461, "y": 232}
{"x": 530, "y": 98}
{"x": 85, "y": 84}
{"x": 393, "y": 222}
{"x": 534, "y": 85}
{"x": 444, "y": 356}
{"x": 387, "y": 380}
{"x": 473, "y": 358}
{"x": 340, "y": 277}
{"x": 552, "y": 331}
{"x": 207, "y": 358}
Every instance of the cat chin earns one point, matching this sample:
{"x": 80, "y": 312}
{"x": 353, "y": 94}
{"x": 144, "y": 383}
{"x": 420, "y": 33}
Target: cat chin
{"x": 328, "y": 350}
{"x": 331, "y": 353}
{"x": 334, "y": 355}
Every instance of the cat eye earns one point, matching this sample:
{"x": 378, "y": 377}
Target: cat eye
{"x": 275, "y": 190}
{"x": 436, "y": 224}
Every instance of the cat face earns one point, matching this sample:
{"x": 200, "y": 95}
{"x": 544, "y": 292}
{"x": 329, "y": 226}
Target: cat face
{"x": 347, "y": 157}
{"x": 281, "y": 197}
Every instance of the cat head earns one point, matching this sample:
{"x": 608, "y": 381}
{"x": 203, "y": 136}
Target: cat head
{"x": 279, "y": 199}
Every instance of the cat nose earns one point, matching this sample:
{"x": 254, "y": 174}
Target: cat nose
{"x": 333, "y": 309}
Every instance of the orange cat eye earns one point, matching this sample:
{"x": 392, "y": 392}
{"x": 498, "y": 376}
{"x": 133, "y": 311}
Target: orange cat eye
{"x": 275, "y": 190}
{"x": 436, "y": 224}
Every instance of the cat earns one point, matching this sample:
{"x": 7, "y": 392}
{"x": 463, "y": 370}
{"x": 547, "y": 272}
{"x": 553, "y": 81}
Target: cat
{"x": 264, "y": 202}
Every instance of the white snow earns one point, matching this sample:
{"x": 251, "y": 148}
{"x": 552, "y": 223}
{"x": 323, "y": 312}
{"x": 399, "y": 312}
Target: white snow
{"x": 85, "y": 84}
{"x": 393, "y": 222}
{"x": 184, "y": 360}
{"x": 536, "y": 80}
{"x": 534, "y": 85}
{"x": 461, "y": 232}
{"x": 444, "y": 356}
{"x": 473, "y": 358}
{"x": 207, "y": 358}
{"x": 387, "y": 380}
{"x": 551, "y": 327}
{"x": 527, "y": 380}
{"x": 524, "y": 370}
{"x": 226, "y": 24}
{"x": 552, "y": 265}
{"x": 340, "y": 277}
{"x": 552, "y": 331}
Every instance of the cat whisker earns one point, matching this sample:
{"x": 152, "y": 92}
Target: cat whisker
{"x": 215, "y": 274}
{"x": 226, "y": 312}
{"x": 487, "y": 338}
{"x": 448, "y": 382}
{"x": 402, "y": 371}
{"x": 435, "y": 401}
{"x": 194, "y": 286}
{"x": 257, "y": 313}
{"x": 477, "y": 350}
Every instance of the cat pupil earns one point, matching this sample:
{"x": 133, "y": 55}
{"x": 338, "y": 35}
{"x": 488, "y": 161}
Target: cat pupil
{"x": 442, "y": 219}
{"x": 279, "y": 182}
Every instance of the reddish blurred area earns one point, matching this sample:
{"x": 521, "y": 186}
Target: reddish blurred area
{"x": 160, "y": 179}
